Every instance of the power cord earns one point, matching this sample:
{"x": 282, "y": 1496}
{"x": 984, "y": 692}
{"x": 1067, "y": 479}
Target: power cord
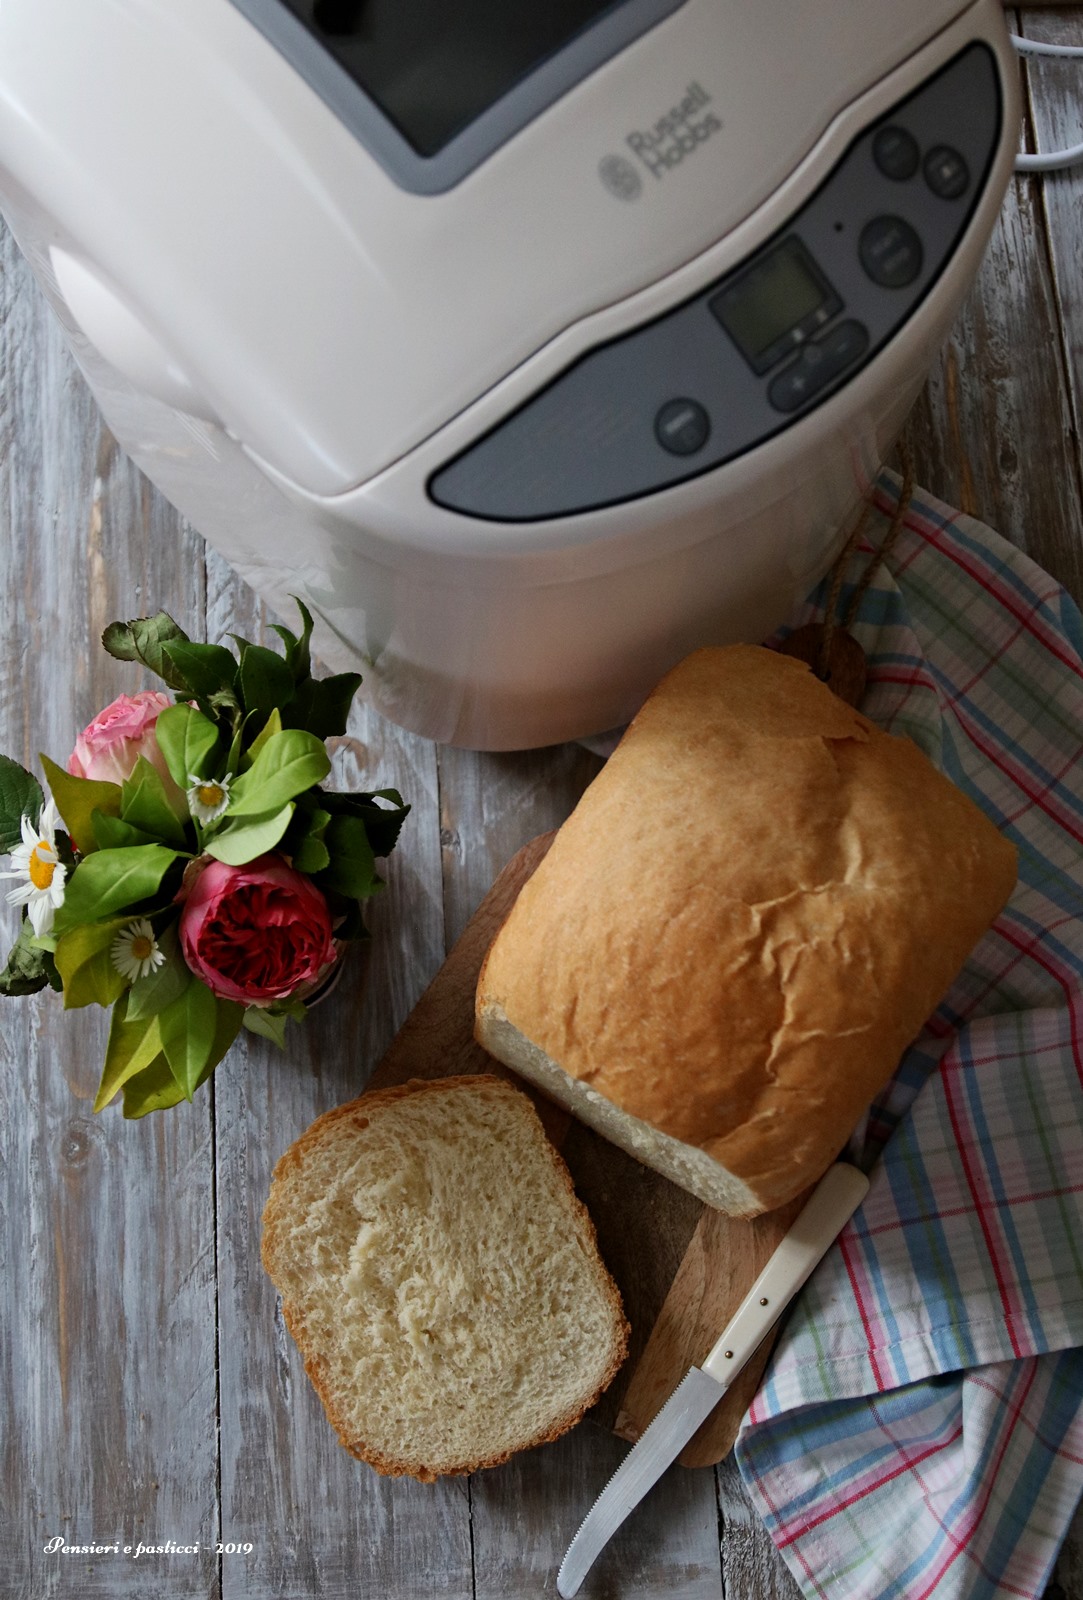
{"x": 1054, "y": 160}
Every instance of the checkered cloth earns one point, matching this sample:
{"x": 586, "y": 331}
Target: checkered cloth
{"x": 920, "y": 1430}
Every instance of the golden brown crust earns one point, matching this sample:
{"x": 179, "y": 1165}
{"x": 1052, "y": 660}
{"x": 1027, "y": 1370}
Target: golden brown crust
{"x": 749, "y": 916}
{"x": 360, "y": 1110}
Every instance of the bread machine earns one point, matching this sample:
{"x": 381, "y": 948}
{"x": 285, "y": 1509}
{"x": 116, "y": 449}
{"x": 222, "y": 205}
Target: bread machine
{"x": 530, "y": 346}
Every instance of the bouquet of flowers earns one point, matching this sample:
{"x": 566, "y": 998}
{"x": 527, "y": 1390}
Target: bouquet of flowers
{"x": 188, "y": 869}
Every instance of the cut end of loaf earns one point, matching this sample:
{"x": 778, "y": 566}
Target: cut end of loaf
{"x": 683, "y": 1164}
{"x": 440, "y": 1277}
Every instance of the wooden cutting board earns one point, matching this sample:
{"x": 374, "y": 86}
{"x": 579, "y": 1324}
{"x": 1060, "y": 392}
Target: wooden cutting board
{"x": 681, "y": 1267}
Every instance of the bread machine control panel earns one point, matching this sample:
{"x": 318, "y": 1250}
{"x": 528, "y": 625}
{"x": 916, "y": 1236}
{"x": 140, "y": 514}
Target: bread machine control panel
{"x": 754, "y": 352}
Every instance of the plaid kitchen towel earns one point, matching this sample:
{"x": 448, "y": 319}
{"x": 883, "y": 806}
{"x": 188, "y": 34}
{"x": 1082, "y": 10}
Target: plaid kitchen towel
{"x": 920, "y": 1430}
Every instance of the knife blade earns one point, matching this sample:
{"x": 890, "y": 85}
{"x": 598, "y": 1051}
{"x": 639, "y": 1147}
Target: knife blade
{"x": 830, "y": 1206}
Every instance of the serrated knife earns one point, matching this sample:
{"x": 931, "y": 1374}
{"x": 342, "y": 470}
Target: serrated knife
{"x": 830, "y": 1206}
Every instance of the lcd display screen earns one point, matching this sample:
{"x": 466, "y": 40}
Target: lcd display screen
{"x": 433, "y": 66}
{"x": 773, "y": 303}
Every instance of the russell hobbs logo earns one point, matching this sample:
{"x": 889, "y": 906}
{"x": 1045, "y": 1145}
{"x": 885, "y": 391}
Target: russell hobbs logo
{"x": 664, "y": 146}
{"x": 620, "y": 177}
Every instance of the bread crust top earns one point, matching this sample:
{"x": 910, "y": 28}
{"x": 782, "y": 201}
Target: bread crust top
{"x": 749, "y": 916}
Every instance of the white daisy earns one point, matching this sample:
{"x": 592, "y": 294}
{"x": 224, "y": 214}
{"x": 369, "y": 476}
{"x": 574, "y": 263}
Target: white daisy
{"x": 135, "y": 952}
{"x": 38, "y": 865}
{"x": 208, "y": 797}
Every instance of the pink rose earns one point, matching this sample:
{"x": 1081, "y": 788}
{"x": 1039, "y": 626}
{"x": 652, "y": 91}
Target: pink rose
{"x": 255, "y": 933}
{"x": 109, "y": 747}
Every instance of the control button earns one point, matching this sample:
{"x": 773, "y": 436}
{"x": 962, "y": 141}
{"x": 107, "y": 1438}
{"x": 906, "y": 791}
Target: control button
{"x": 896, "y": 153}
{"x": 682, "y": 427}
{"x": 794, "y": 385}
{"x": 890, "y": 252}
{"x": 946, "y": 173}
{"x": 844, "y": 344}
{"x": 817, "y": 364}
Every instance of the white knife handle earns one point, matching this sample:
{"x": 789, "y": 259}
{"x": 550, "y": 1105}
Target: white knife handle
{"x": 829, "y": 1207}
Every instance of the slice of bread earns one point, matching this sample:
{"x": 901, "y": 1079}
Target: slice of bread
{"x": 440, "y": 1277}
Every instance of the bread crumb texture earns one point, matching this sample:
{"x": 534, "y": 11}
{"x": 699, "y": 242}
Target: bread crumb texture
{"x": 440, "y": 1277}
{"x": 746, "y": 920}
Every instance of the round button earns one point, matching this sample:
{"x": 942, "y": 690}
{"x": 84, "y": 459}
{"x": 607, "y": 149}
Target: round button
{"x": 946, "y": 173}
{"x": 682, "y": 427}
{"x": 896, "y": 153}
{"x": 845, "y": 343}
{"x": 792, "y": 387}
{"x": 890, "y": 252}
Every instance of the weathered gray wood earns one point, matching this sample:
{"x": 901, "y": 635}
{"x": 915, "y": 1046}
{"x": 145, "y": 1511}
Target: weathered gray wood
{"x": 1055, "y": 102}
{"x": 490, "y": 805}
{"x": 992, "y": 433}
{"x": 526, "y": 1513}
{"x": 107, "y": 1355}
{"x": 322, "y": 1523}
{"x": 750, "y": 1563}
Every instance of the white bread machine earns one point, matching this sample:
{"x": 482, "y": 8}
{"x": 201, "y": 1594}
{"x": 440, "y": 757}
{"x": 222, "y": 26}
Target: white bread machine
{"x": 532, "y": 346}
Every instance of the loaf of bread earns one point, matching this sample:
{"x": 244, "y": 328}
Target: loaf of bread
{"x": 746, "y": 920}
{"x": 440, "y": 1277}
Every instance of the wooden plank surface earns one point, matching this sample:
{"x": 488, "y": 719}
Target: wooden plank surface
{"x": 107, "y": 1251}
{"x": 150, "y": 1390}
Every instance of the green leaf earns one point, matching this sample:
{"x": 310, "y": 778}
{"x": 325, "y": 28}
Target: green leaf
{"x": 188, "y": 1029}
{"x": 153, "y": 1089}
{"x": 290, "y": 640}
{"x": 313, "y": 856}
{"x": 272, "y": 726}
{"x": 110, "y": 833}
{"x": 352, "y": 871}
{"x": 144, "y": 804}
{"x": 303, "y": 842}
{"x": 300, "y": 658}
{"x": 298, "y": 653}
{"x": 244, "y": 840}
{"x": 235, "y": 761}
{"x": 266, "y": 680}
{"x": 30, "y": 966}
{"x": 156, "y": 1089}
{"x": 289, "y": 763}
{"x": 208, "y": 669}
{"x": 86, "y": 967}
{"x": 383, "y": 823}
{"x": 159, "y": 989}
{"x": 322, "y": 705}
{"x": 77, "y": 799}
{"x": 268, "y": 1024}
{"x": 132, "y": 1047}
{"x": 144, "y": 639}
{"x": 189, "y": 742}
{"x": 226, "y": 1028}
{"x": 113, "y": 880}
{"x": 20, "y": 796}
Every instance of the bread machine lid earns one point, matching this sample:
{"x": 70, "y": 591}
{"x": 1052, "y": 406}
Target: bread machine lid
{"x": 433, "y": 87}
{"x": 333, "y": 319}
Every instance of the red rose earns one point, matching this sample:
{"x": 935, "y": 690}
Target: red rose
{"x": 255, "y": 933}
